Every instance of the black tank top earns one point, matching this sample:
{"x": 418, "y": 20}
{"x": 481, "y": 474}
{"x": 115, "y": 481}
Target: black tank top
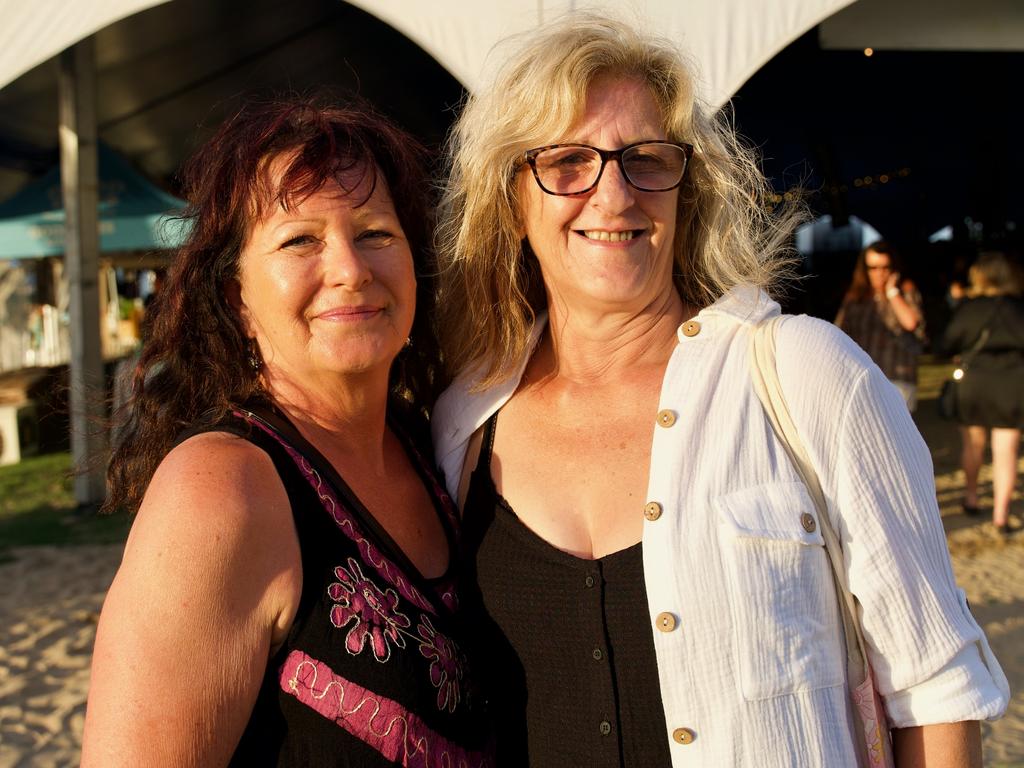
{"x": 373, "y": 671}
{"x": 562, "y": 644}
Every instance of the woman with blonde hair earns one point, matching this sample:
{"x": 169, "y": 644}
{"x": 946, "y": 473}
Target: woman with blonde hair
{"x": 987, "y": 331}
{"x": 653, "y": 585}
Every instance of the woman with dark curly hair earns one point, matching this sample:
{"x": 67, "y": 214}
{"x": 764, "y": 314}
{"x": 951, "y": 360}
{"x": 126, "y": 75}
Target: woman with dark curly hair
{"x": 288, "y": 592}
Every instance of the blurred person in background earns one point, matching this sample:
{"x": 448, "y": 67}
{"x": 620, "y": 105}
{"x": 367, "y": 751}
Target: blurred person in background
{"x": 882, "y": 313}
{"x": 988, "y": 330}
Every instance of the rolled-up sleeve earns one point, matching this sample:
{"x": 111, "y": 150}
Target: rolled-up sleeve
{"x": 931, "y": 660}
{"x": 966, "y": 688}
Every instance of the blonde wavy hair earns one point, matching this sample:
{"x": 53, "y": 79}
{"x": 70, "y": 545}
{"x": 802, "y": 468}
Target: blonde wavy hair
{"x": 993, "y": 274}
{"x": 490, "y": 287}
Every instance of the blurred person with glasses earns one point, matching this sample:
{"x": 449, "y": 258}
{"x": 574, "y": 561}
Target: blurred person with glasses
{"x": 652, "y": 588}
{"x": 882, "y": 313}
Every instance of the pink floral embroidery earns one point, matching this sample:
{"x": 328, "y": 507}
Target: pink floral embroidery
{"x": 449, "y": 596}
{"x": 347, "y": 523}
{"x": 373, "y": 613}
{"x": 445, "y": 665}
{"x": 380, "y": 722}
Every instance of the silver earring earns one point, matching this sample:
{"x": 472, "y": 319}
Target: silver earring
{"x": 254, "y": 357}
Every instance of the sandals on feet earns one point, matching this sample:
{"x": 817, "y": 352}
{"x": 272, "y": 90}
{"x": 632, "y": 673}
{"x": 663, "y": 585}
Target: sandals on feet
{"x": 1007, "y": 528}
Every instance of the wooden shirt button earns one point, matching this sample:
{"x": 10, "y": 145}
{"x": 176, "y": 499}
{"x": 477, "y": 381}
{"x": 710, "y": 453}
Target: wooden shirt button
{"x": 683, "y": 736}
{"x": 652, "y": 511}
{"x": 665, "y": 621}
{"x": 808, "y": 522}
{"x": 666, "y": 418}
{"x": 691, "y": 328}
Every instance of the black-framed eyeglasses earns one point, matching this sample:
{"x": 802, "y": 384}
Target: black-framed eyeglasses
{"x": 572, "y": 169}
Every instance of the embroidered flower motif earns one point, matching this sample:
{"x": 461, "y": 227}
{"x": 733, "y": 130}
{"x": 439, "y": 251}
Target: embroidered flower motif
{"x": 450, "y": 599}
{"x": 445, "y": 665}
{"x": 373, "y": 613}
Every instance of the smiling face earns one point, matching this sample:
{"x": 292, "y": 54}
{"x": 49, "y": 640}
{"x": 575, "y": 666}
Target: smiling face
{"x": 327, "y": 287}
{"x": 609, "y": 249}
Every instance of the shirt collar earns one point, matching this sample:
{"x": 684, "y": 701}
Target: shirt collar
{"x": 745, "y": 304}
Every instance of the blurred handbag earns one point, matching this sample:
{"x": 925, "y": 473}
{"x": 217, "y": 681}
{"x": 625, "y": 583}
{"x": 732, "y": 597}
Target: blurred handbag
{"x": 949, "y": 396}
{"x": 871, "y": 740}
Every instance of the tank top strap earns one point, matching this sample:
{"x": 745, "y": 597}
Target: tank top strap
{"x": 483, "y": 462}
{"x": 235, "y": 424}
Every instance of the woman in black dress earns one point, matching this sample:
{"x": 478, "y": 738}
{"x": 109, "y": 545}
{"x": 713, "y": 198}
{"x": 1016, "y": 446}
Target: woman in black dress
{"x": 989, "y": 331}
{"x": 288, "y": 595}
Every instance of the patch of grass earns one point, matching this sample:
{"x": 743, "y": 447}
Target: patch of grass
{"x": 37, "y": 507}
{"x": 931, "y": 375}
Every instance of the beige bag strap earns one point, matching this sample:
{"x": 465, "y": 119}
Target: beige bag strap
{"x": 873, "y": 746}
{"x": 769, "y": 391}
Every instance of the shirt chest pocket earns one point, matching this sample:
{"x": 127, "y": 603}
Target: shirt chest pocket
{"x": 780, "y": 590}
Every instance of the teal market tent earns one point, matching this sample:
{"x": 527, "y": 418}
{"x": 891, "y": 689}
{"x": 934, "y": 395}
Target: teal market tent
{"x": 134, "y": 215}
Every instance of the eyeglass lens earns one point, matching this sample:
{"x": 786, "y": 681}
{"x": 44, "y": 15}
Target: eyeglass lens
{"x": 571, "y": 170}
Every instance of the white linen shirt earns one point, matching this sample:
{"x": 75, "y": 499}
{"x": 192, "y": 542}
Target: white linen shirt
{"x": 753, "y": 663}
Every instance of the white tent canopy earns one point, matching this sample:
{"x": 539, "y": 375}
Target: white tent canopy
{"x": 729, "y": 39}
{"x": 35, "y": 31}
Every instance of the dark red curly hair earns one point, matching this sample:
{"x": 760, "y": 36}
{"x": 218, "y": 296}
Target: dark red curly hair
{"x": 194, "y": 366}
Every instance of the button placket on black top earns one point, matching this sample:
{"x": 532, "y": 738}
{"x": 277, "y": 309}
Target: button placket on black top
{"x": 592, "y": 581}
{"x": 604, "y": 704}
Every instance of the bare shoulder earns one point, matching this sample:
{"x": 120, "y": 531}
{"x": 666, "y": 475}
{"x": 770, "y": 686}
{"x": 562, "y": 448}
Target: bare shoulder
{"x": 211, "y": 571}
{"x": 214, "y": 475}
{"x": 215, "y": 502}
{"x": 218, "y": 463}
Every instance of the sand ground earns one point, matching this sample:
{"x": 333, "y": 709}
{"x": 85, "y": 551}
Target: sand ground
{"x": 50, "y": 599}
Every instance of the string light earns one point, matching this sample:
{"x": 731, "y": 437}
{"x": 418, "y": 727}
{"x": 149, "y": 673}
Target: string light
{"x": 863, "y": 182}
{"x": 882, "y": 178}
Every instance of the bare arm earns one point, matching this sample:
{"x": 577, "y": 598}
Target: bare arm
{"x": 209, "y": 581}
{"x": 908, "y": 315}
{"x": 947, "y": 745}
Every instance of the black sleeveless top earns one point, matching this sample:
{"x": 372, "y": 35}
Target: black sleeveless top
{"x": 373, "y": 670}
{"x": 562, "y": 644}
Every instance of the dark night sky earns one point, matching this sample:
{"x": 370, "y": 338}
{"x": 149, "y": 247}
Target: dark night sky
{"x": 952, "y": 120}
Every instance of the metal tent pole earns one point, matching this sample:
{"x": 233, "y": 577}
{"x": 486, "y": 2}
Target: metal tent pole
{"x": 77, "y": 134}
